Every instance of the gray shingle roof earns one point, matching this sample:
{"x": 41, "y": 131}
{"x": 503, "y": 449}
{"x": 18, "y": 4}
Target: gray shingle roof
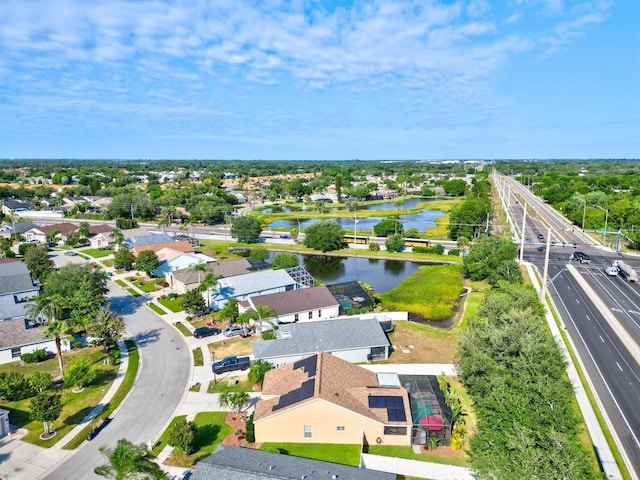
{"x": 295, "y": 301}
{"x": 237, "y": 463}
{"x": 152, "y": 239}
{"x": 13, "y": 333}
{"x": 322, "y": 336}
{"x": 255, "y": 282}
{"x": 14, "y": 278}
{"x": 9, "y": 308}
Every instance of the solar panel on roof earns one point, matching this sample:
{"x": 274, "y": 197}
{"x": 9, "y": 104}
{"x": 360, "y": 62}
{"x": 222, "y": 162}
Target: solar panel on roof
{"x": 302, "y": 393}
{"x": 396, "y": 415}
{"x": 393, "y": 404}
{"x": 308, "y": 364}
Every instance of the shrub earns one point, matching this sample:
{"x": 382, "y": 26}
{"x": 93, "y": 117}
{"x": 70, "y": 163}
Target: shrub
{"x": 14, "y": 386}
{"x": 250, "y": 431}
{"x": 22, "y": 248}
{"x": 435, "y": 250}
{"x": 271, "y": 449}
{"x": 454, "y": 252}
{"x": 269, "y": 335}
{"x": 35, "y": 356}
{"x": 374, "y": 247}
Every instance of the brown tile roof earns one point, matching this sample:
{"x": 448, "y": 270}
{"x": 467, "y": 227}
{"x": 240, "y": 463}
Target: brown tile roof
{"x": 295, "y": 301}
{"x": 336, "y": 381}
{"x": 182, "y": 246}
{"x": 102, "y": 228}
{"x": 63, "y": 228}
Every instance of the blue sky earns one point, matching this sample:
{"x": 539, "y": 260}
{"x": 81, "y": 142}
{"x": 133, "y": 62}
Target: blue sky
{"x": 313, "y": 79}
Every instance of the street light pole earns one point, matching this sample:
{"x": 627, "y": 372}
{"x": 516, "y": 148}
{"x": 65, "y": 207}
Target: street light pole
{"x": 606, "y": 220}
{"x": 213, "y": 360}
{"x": 584, "y": 214}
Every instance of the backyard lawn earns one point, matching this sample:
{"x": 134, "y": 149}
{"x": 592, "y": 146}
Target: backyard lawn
{"x": 145, "y": 284}
{"x": 443, "y": 455}
{"x": 328, "y": 452}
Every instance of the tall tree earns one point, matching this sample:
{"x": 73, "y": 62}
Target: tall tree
{"x": 49, "y": 309}
{"x": 263, "y": 313}
{"x": 258, "y": 371}
{"x": 83, "y": 229}
{"x": 208, "y": 282}
{"x": 325, "y": 236}
{"x": 37, "y": 260}
{"x": 147, "y": 261}
{"x": 129, "y": 462}
{"x": 46, "y": 408}
{"x": 107, "y": 328}
{"x": 246, "y": 229}
{"x": 124, "y": 259}
{"x": 193, "y": 303}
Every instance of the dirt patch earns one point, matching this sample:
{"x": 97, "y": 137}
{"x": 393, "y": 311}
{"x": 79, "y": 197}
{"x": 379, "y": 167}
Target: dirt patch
{"x": 416, "y": 343}
{"x": 238, "y": 424}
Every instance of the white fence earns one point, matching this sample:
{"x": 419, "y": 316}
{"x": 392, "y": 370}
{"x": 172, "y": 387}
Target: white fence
{"x": 415, "y": 468}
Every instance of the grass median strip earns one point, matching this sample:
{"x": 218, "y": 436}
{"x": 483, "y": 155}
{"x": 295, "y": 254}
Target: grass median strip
{"x": 156, "y": 308}
{"x": 123, "y": 390}
{"x": 183, "y": 329}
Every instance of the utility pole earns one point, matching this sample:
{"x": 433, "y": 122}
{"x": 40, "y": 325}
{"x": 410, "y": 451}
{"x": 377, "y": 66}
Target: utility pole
{"x": 524, "y": 220}
{"x": 543, "y": 288}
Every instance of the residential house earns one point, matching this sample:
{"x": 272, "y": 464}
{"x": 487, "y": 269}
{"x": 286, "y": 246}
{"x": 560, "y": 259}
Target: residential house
{"x": 13, "y": 205}
{"x": 182, "y": 246}
{"x": 185, "y": 279}
{"x": 139, "y": 237}
{"x": 242, "y": 287}
{"x": 238, "y": 463}
{"x": 353, "y": 339}
{"x": 307, "y": 304}
{"x": 100, "y": 236}
{"x": 20, "y": 336}
{"x": 324, "y": 399}
{"x": 16, "y": 288}
{"x": 40, "y": 233}
{"x": 7, "y": 229}
{"x": 171, "y": 259}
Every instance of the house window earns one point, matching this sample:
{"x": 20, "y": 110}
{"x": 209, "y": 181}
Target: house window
{"x": 308, "y": 431}
{"x": 310, "y": 315}
{"x": 395, "y": 430}
{"x": 295, "y": 317}
{"x": 319, "y": 313}
{"x": 15, "y": 352}
{"x": 340, "y": 428}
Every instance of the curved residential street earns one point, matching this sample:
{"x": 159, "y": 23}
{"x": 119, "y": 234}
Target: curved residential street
{"x": 165, "y": 362}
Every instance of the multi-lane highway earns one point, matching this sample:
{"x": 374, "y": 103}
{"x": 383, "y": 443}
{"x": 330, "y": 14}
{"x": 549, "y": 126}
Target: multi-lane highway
{"x": 601, "y": 313}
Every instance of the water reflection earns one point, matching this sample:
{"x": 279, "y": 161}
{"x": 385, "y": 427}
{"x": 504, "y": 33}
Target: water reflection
{"x": 382, "y": 275}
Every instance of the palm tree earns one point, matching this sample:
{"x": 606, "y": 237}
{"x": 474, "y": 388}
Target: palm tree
{"x": 128, "y": 461}
{"x": 83, "y": 229}
{"x": 50, "y": 307}
{"x": 209, "y": 281}
{"x": 118, "y": 236}
{"x": 264, "y": 313}
{"x": 463, "y": 244}
{"x": 235, "y": 401}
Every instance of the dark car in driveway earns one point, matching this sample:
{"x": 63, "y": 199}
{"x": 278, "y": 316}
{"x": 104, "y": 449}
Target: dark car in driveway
{"x": 206, "y": 332}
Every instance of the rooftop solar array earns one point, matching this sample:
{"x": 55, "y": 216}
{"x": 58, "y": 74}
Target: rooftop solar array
{"x": 393, "y": 404}
{"x": 308, "y": 365}
{"x": 294, "y": 396}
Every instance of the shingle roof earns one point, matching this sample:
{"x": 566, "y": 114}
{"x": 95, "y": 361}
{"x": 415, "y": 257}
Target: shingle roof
{"x": 9, "y": 308}
{"x": 295, "y": 301}
{"x": 182, "y": 246}
{"x": 14, "y": 203}
{"x": 13, "y": 333}
{"x": 102, "y": 228}
{"x": 336, "y": 381}
{"x": 219, "y": 269}
{"x": 325, "y": 335}
{"x": 14, "y": 278}
{"x": 63, "y": 228}
{"x": 237, "y": 463}
{"x": 254, "y": 282}
{"x": 151, "y": 239}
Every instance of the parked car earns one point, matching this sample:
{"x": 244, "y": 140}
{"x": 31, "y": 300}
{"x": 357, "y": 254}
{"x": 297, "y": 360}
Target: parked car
{"x": 542, "y": 248}
{"x": 70, "y": 253}
{"x": 230, "y": 364}
{"x": 234, "y": 331}
{"x": 206, "y": 332}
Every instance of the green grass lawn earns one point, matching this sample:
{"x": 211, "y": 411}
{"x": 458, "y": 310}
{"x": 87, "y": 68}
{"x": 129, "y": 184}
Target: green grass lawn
{"x": 183, "y": 329}
{"x": 121, "y": 393}
{"x": 212, "y": 429}
{"x": 97, "y": 252}
{"x": 175, "y": 305}
{"x": 198, "y": 358}
{"x": 328, "y": 452}
{"x": 156, "y": 308}
{"x": 122, "y": 283}
{"x": 144, "y": 284}
{"x": 75, "y": 406}
{"x": 132, "y": 292}
{"x": 109, "y": 262}
{"x": 432, "y": 292}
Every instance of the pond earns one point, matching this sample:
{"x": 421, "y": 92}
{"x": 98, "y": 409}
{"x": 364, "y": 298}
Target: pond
{"x": 382, "y": 275}
{"x": 421, "y": 221}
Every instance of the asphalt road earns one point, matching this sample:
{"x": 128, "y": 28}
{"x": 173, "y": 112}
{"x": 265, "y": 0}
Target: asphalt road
{"x": 161, "y": 382}
{"x": 613, "y": 371}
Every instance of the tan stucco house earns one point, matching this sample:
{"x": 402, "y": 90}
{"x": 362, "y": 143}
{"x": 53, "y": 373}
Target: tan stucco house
{"x": 324, "y": 399}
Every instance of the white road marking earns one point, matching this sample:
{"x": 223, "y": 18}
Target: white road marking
{"x": 619, "y": 366}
